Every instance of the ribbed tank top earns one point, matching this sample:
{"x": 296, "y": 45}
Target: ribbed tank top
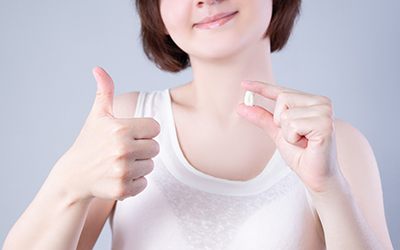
{"x": 183, "y": 208}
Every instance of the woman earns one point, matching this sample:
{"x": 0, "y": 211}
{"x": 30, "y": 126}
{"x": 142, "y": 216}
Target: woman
{"x": 282, "y": 174}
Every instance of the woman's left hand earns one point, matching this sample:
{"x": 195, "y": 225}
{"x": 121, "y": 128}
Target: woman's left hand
{"x": 302, "y": 127}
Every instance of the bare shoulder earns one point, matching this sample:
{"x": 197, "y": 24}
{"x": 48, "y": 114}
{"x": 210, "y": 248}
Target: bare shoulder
{"x": 124, "y": 106}
{"x": 360, "y": 168}
{"x": 354, "y": 151}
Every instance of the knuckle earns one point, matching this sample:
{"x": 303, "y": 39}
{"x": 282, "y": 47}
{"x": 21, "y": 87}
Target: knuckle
{"x": 325, "y": 99}
{"x": 121, "y": 151}
{"x": 320, "y": 142}
{"x": 282, "y": 97}
{"x": 101, "y": 95}
{"x": 329, "y": 124}
{"x": 120, "y": 191}
{"x": 118, "y": 129}
{"x": 326, "y": 109}
{"x": 330, "y": 111}
{"x": 121, "y": 172}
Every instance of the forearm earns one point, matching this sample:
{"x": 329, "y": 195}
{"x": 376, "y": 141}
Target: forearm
{"x": 342, "y": 221}
{"x": 53, "y": 220}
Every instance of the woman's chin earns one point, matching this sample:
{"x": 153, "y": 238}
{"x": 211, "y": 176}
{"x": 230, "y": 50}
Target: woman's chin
{"x": 214, "y": 53}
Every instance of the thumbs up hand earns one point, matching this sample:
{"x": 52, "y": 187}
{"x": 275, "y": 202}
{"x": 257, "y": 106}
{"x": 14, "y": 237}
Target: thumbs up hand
{"x": 111, "y": 156}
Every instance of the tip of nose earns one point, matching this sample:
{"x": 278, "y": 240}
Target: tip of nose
{"x": 200, "y": 4}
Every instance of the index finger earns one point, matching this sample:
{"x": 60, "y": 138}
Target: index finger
{"x": 268, "y": 90}
{"x": 141, "y": 127}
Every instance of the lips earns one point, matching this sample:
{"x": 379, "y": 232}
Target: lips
{"x": 216, "y": 20}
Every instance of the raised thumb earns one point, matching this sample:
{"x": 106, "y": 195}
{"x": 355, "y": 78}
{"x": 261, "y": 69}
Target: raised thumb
{"x": 103, "y": 103}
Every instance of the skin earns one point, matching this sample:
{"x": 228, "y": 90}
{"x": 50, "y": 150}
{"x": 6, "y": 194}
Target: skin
{"x": 344, "y": 181}
{"x": 107, "y": 162}
{"x": 345, "y": 186}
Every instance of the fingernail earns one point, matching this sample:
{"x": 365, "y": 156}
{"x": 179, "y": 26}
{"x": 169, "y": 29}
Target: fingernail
{"x": 96, "y": 70}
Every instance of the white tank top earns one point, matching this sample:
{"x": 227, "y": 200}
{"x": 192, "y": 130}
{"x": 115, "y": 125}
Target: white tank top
{"x": 183, "y": 208}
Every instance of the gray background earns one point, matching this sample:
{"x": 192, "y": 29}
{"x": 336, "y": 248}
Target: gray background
{"x": 345, "y": 49}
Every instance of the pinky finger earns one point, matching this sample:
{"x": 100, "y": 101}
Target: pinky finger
{"x": 137, "y": 185}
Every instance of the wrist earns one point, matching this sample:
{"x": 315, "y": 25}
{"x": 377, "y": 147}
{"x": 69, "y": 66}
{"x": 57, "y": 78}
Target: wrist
{"x": 61, "y": 190}
{"x": 335, "y": 187}
{"x": 58, "y": 185}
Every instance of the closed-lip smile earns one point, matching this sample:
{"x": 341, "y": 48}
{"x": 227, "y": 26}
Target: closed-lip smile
{"x": 215, "y": 20}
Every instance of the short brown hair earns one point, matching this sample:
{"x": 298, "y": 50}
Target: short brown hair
{"x": 162, "y": 50}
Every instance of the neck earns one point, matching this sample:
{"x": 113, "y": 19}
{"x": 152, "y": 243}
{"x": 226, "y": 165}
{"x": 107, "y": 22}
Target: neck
{"x": 216, "y": 89}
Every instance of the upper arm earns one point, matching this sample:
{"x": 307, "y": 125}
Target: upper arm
{"x": 124, "y": 106}
{"x": 358, "y": 165}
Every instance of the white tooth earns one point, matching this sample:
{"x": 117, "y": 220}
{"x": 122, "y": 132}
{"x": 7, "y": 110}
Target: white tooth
{"x": 214, "y": 25}
{"x": 249, "y": 98}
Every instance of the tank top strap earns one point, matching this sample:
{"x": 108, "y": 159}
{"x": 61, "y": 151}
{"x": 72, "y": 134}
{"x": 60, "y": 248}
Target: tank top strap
{"x": 148, "y": 103}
